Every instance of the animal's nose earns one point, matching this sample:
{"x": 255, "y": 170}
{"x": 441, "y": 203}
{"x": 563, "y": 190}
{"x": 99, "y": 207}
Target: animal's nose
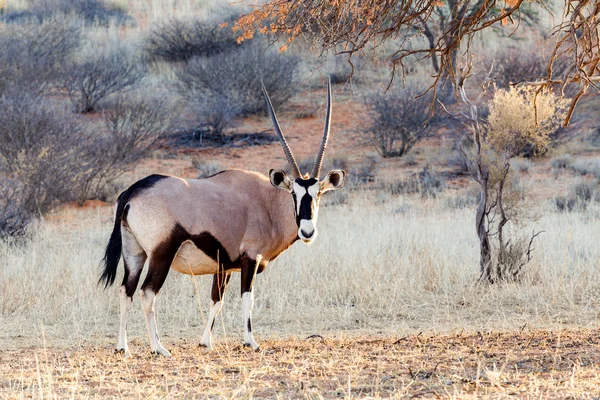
{"x": 307, "y": 234}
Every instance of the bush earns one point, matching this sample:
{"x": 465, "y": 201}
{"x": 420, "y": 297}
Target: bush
{"x": 205, "y": 169}
{"x": 91, "y": 81}
{"x": 586, "y": 167}
{"x": 134, "y": 126}
{"x": 513, "y": 65}
{"x": 13, "y": 217}
{"x": 41, "y": 148}
{"x": 521, "y": 165}
{"x": 176, "y": 40}
{"x": 561, "y": 162}
{"x": 564, "y": 203}
{"x": 579, "y": 198}
{"x": 584, "y": 192}
{"x": 428, "y": 183}
{"x": 397, "y": 120}
{"x": 227, "y": 85}
{"x": 33, "y": 55}
{"x": 53, "y": 158}
{"x": 90, "y": 11}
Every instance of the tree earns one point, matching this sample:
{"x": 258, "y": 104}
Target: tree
{"x": 356, "y": 27}
{"x": 519, "y": 118}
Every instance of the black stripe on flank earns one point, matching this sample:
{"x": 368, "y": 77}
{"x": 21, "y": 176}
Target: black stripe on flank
{"x": 206, "y": 242}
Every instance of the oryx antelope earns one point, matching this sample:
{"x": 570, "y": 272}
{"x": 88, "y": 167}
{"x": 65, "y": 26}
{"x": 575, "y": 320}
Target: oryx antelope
{"x": 235, "y": 220}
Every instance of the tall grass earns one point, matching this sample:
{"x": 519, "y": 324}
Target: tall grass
{"x": 372, "y": 268}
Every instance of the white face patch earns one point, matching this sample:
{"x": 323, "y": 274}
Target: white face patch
{"x": 308, "y": 217}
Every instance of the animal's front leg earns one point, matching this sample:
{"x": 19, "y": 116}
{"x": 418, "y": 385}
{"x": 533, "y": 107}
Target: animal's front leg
{"x": 248, "y": 273}
{"x": 220, "y": 281}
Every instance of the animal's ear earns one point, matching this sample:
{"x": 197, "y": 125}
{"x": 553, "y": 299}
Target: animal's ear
{"x": 280, "y": 180}
{"x": 333, "y": 180}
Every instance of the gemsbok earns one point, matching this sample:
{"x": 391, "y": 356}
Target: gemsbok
{"x": 234, "y": 220}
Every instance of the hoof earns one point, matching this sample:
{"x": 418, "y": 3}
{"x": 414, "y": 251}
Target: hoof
{"x": 162, "y": 352}
{"x": 254, "y": 347}
{"x": 124, "y": 352}
{"x": 207, "y": 347}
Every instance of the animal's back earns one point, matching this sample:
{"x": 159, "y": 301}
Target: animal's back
{"x": 209, "y": 216}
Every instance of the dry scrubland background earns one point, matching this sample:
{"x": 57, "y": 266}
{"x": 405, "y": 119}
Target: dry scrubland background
{"x": 397, "y": 250}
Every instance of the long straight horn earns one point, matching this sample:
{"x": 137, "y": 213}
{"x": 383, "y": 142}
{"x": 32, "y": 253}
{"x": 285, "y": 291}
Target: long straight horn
{"x": 319, "y": 162}
{"x": 286, "y": 148}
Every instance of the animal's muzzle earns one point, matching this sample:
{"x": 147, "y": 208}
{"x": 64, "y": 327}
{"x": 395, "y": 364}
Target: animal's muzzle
{"x": 307, "y": 230}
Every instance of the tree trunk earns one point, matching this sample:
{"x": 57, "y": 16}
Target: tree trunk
{"x": 485, "y": 252}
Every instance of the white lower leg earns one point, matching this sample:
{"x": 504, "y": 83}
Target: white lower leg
{"x": 215, "y": 309}
{"x": 126, "y": 303}
{"x": 247, "y": 305}
{"x": 148, "y": 299}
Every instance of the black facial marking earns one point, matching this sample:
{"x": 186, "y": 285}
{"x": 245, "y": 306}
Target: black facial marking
{"x": 306, "y": 207}
{"x": 306, "y": 204}
{"x": 306, "y": 183}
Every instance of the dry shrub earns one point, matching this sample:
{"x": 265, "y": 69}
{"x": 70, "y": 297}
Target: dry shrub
{"x": 520, "y": 118}
{"x": 227, "y": 85}
{"x": 178, "y": 40}
{"x": 397, "y": 120}
{"x": 92, "y": 80}
{"x": 428, "y": 183}
{"x": 14, "y": 219}
{"x": 90, "y": 11}
{"x": 205, "y": 168}
{"x": 33, "y": 55}
{"x": 134, "y": 126}
{"x": 47, "y": 157}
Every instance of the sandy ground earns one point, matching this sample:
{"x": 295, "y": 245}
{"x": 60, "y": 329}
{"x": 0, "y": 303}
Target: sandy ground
{"x": 528, "y": 364}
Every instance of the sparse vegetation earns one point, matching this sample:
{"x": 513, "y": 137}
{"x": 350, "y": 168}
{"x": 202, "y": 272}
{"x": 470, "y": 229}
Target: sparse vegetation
{"x": 397, "y": 120}
{"x": 33, "y": 55}
{"x": 92, "y": 80}
{"x": 178, "y": 40}
{"x": 217, "y": 99}
{"x": 205, "y": 168}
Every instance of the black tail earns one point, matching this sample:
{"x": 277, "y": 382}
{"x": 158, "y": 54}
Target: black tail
{"x": 114, "y": 248}
{"x": 112, "y": 254}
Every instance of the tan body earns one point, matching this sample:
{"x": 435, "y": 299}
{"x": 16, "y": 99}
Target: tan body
{"x": 256, "y": 219}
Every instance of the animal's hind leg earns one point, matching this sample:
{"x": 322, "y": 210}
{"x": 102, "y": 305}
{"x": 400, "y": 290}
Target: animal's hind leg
{"x": 134, "y": 258}
{"x": 158, "y": 268}
{"x": 248, "y": 274}
{"x": 220, "y": 281}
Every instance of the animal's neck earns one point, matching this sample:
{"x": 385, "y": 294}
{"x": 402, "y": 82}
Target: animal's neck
{"x": 284, "y": 218}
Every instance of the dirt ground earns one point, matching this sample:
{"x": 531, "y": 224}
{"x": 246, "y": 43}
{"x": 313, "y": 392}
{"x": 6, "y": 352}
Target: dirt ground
{"x": 528, "y": 364}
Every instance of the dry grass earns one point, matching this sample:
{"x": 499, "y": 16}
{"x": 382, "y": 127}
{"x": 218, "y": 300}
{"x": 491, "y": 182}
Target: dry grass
{"x": 529, "y": 364}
